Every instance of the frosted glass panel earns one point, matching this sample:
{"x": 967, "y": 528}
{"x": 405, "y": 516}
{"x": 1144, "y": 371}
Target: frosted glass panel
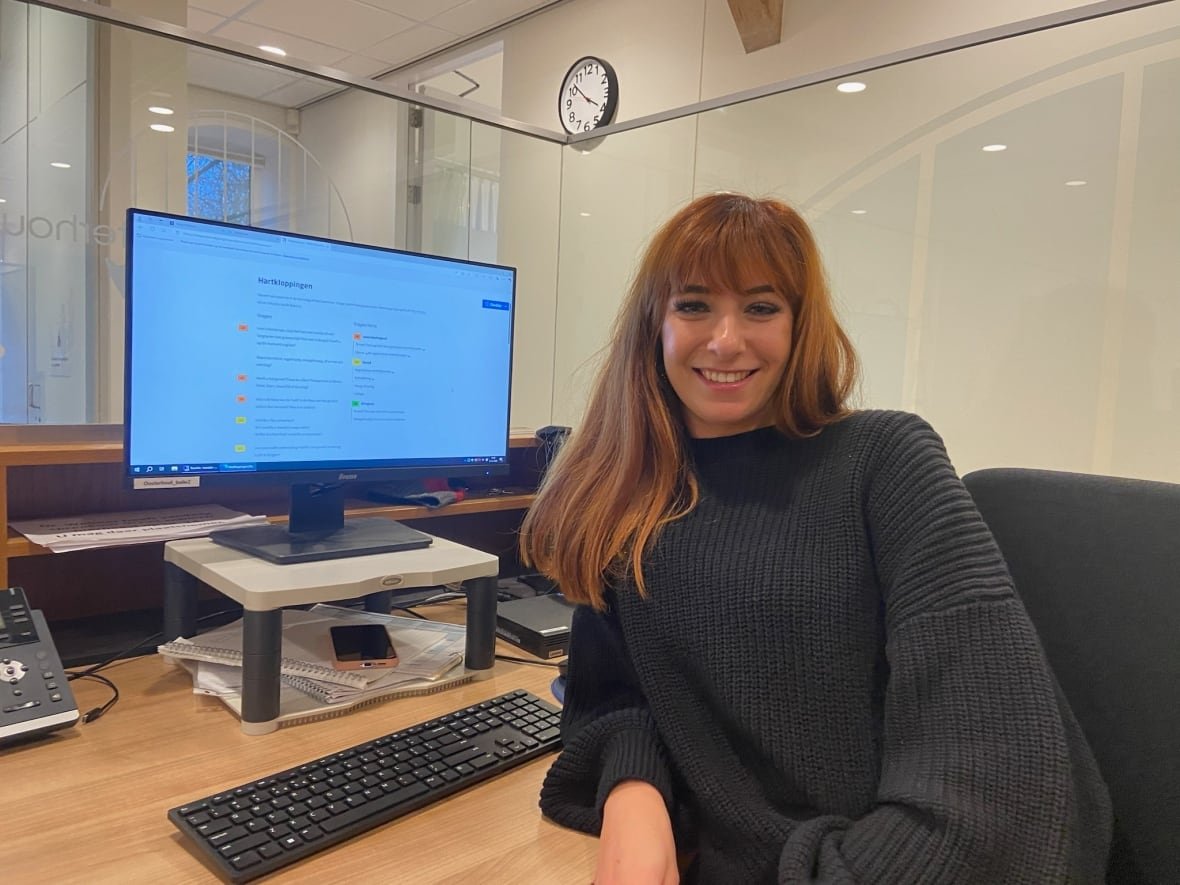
{"x": 867, "y": 239}
{"x": 492, "y": 195}
{"x": 1145, "y": 425}
{"x": 526, "y": 199}
{"x": 1017, "y": 279}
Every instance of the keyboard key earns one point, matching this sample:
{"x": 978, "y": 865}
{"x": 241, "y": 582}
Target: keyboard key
{"x": 227, "y": 836}
{"x": 245, "y": 861}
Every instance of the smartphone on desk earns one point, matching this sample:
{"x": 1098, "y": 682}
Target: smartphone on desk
{"x": 362, "y": 646}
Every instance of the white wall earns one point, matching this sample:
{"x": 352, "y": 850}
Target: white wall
{"x": 671, "y": 53}
{"x": 201, "y": 99}
{"x": 355, "y": 138}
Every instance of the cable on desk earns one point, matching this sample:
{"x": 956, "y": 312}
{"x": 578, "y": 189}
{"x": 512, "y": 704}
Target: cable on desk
{"x": 91, "y": 672}
{"x": 433, "y": 600}
{"x": 147, "y": 640}
{"x": 537, "y": 663}
{"x": 91, "y": 715}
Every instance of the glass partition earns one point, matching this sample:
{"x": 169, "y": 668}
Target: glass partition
{"x": 188, "y": 130}
{"x": 614, "y": 193}
{"x": 1000, "y": 228}
{"x": 47, "y": 320}
{"x": 492, "y": 195}
{"x": 999, "y": 222}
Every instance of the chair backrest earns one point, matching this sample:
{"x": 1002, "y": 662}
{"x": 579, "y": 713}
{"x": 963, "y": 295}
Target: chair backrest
{"x": 1096, "y": 560}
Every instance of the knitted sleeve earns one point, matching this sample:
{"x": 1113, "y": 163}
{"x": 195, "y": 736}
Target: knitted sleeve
{"x": 985, "y": 777}
{"x": 607, "y": 731}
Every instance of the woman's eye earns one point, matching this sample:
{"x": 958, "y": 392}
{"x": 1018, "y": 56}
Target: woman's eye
{"x": 763, "y": 309}
{"x": 689, "y": 306}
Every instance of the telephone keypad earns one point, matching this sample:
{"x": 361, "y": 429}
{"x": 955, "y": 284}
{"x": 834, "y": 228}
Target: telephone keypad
{"x": 29, "y": 705}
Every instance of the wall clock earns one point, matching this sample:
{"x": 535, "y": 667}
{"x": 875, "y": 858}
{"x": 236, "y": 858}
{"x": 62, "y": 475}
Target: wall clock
{"x": 589, "y": 95}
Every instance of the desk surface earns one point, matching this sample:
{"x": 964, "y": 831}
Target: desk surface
{"x": 88, "y": 804}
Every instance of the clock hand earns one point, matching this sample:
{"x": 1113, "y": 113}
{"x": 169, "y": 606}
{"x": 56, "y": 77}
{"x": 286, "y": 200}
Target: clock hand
{"x": 585, "y": 96}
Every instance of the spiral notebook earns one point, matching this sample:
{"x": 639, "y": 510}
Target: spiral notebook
{"x": 306, "y": 703}
{"x": 291, "y": 668}
{"x": 306, "y": 651}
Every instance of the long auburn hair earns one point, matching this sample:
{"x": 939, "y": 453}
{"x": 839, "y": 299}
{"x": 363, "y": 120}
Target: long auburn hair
{"x": 624, "y": 472}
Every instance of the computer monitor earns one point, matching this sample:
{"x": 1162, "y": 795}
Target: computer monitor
{"x": 255, "y": 356}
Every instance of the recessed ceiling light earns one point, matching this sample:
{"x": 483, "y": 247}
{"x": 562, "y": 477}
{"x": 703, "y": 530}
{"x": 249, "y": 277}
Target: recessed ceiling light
{"x": 2, "y": 200}
{"x": 992, "y": 148}
{"x": 60, "y": 165}
{"x": 584, "y": 214}
{"x": 851, "y": 86}
{"x": 162, "y": 127}
{"x": 273, "y": 50}
{"x": 161, "y": 110}
{"x": 1076, "y": 182}
{"x": 860, "y": 211}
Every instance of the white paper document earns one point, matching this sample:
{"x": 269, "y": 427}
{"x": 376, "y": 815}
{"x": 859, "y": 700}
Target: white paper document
{"x": 131, "y": 527}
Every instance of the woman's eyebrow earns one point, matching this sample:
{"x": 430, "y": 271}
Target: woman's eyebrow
{"x": 696, "y": 289}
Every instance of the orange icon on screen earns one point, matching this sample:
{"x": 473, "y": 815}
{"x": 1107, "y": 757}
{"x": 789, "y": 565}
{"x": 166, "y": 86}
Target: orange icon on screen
{"x": 356, "y": 336}
{"x": 241, "y": 377}
{"x": 243, "y": 327}
{"x": 241, "y": 398}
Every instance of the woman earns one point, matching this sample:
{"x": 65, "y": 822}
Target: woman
{"x": 799, "y": 656}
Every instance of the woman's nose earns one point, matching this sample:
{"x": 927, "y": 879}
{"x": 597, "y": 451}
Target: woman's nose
{"x": 726, "y": 339}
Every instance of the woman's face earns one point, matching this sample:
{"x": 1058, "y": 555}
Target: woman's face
{"x": 725, "y": 353}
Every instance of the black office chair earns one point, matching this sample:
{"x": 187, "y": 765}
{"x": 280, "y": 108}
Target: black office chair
{"x": 1096, "y": 560}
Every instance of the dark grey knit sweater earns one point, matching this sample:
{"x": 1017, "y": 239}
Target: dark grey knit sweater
{"x": 832, "y": 680}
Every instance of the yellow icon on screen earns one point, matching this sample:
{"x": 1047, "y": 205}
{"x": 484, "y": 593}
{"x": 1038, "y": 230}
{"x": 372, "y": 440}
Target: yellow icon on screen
{"x": 356, "y": 362}
{"x": 241, "y": 419}
{"x": 239, "y": 448}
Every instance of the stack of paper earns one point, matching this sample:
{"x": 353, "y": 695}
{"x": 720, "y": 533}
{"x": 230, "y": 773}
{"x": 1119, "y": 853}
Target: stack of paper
{"x": 430, "y": 654}
{"x": 131, "y": 527}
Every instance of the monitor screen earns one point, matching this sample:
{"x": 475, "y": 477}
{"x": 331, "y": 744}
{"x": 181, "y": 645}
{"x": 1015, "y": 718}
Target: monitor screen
{"x": 259, "y": 356}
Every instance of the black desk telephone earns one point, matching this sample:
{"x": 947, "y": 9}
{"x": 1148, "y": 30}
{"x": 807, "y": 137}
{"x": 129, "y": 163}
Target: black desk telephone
{"x": 35, "y": 695}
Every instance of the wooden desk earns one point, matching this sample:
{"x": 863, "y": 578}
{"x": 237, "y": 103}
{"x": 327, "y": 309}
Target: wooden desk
{"x": 58, "y": 471}
{"x": 88, "y": 805}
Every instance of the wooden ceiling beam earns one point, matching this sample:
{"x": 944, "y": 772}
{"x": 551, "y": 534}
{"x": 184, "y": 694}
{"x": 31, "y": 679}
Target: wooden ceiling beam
{"x": 759, "y": 22}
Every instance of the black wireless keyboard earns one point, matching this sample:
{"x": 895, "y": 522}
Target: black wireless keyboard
{"x": 260, "y": 826}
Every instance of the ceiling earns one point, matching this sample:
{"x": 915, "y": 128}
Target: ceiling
{"x": 364, "y": 38}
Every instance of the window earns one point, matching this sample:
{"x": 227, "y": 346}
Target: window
{"x": 218, "y": 188}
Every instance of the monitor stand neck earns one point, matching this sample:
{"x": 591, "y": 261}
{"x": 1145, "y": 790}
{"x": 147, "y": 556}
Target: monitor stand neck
{"x": 316, "y": 507}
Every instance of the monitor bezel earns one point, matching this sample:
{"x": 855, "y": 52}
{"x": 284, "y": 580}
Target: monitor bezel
{"x": 339, "y": 472}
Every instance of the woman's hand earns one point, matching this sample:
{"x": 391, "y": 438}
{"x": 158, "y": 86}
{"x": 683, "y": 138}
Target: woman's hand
{"x": 636, "y": 846}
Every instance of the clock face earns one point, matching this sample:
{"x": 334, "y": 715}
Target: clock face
{"x": 589, "y": 95}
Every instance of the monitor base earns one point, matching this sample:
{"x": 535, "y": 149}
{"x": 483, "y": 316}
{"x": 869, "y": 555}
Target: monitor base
{"x": 357, "y": 537}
